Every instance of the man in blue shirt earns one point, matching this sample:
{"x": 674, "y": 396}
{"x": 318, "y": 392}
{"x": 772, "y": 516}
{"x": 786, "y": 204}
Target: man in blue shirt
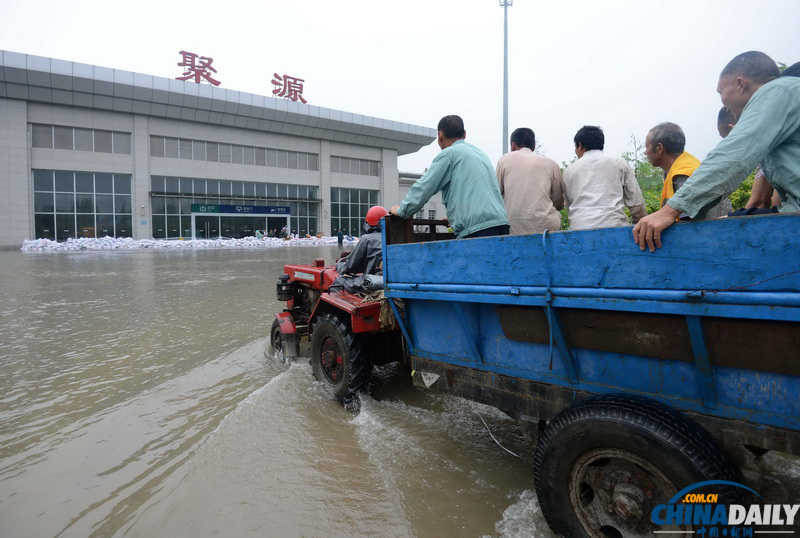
{"x": 768, "y": 132}
{"x": 466, "y": 178}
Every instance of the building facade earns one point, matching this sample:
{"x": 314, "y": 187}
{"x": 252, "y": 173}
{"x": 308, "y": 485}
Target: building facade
{"x": 88, "y": 151}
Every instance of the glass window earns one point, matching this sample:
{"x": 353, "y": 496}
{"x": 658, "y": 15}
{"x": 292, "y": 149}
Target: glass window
{"x": 173, "y": 226}
{"x": 335, "y": 164}
{"x": 293, "y": 160}
{"x": 122, "y": 183}
{"x": 283, "y": 191}
{"x": 373, "y": 197}
{"x": 171, "y": 145}
{"x": 85, "y": 226}
{"x": 65, "y": 181}
{"x": 122, "y": 203}
{"x": 124, "y": 226}
{"x": 334, "y": 210}
{"x": 122, "y": 143}
{"x": 102, "y": 141}
{"x": 65, "y": 203}
{"x": 225, "y": 188}
{"x": 272, "y": 190}
{"x": 43, "y": 202}
{"x": 105, "y": 226}
{"x": 185, "y": 148}
{"x": 364, "y": 168}
{"x": 102, "y": 183}
{"x": 42, "y": 136}
{"x": 186, "y": 185}
{"x": 172, "y": 185}
{"x": 224, "y": 153}
{"x": 313, "y": 209}
{"x": 186, "y": 206}
{"x": 313, "y": 192}
{"x": 238, "y": 188}
{"x": 84, "y": 140}
{"x": 335, "y": 195}
{"x": 104, "y": 203}
{"x": 302, "y": 192}
{"x": 283, "y": 159}
{"x": 159, "y": 227}
{"x": 249, "y": 189}
{"x": 261, "y": 157}
{"x": 272, "y": 157}
{"x": 157, "y": 183}
{"x": 84, "y": 182}
{"x": 302, "y": 161}
{"x": 43, "y": 180}
{"x": 84, "y": 203}
{"x": 213, "y": 187}
{"x": 249, "y": 155}
{"x": 45, "y": 227}
{"x": 344, "y": 195}
{"x": 186, "y": 226}
{"x": 156, "y": 146}
{"x": 62, "y": 137}
{"x": 212, "y": 152}
{"x": 199, "y": 187}
{"x": 158, "y": 205}
{"x": 199, "y": 150}
{"x": 374, "y": 168}
{"x": 236, "y": 154}
{"x": 65, "y": 227}
{"x": 173, "y": 205}
{"x": 313, "y": 162}
{"x": 261, "y": 190}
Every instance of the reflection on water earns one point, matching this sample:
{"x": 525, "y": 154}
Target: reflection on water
{"x": 136, "y": 399}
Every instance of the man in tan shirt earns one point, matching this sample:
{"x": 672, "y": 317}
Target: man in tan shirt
{"x": 531, "y": 185}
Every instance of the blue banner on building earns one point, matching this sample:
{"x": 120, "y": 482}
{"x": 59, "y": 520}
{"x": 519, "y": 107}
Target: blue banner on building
{"x": 241, "y": 209}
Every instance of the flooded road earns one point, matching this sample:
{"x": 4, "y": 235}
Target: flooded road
{"x": 137, "y": 400}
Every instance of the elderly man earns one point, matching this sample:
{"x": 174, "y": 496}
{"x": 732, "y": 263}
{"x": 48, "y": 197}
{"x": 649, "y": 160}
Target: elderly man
{"x": 767, "y": 132}
{"x": 597, "y": 186}
{"x": 466, "y": 179}
{"x": 531, "y": 185}
{"x": 664, "y": 147}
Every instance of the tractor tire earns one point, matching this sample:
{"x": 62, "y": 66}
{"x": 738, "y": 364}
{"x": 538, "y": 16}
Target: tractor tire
{"x": 275, "y": 343}
{"x": 340, "y": 359}
{"x": 602, "y": 465}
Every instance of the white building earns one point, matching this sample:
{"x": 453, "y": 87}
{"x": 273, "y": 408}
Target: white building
{"x": 93, "y": 151}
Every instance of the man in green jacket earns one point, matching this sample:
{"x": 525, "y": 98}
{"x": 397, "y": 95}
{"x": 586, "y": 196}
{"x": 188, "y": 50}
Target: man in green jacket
{"x": 466, "y": 178}
{"x": 768, "y": 132}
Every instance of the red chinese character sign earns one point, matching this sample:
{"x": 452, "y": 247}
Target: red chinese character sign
{"x": 288, "y": 87}
{"x": 197, "y": 68}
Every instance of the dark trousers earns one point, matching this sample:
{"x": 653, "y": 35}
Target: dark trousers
{"x": 488, "y": 232}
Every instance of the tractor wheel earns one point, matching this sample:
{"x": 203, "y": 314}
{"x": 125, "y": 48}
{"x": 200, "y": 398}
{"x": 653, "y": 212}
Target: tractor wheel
{"x": 275, "y": 343}
{"x": 340, "y": 359}
{"x": 602, "y": 465}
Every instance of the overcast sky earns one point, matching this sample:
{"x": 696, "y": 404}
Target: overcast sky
{"x": 623, "y": 65}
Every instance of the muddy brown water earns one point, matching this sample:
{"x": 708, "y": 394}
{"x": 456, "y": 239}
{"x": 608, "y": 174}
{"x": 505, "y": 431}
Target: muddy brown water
{"x": 137, "y": 400}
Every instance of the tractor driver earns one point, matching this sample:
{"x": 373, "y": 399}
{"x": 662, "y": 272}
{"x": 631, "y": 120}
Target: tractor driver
{"x": 367, "y": 255}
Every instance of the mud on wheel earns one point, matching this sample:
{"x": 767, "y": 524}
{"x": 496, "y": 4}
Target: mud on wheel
{"x": 340, "y": 359}
{"x": 602, "y": 465}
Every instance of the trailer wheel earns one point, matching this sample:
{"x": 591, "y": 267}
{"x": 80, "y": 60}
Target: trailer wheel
{"x": 602, "y": 465}
{"x": 340, "y": 359}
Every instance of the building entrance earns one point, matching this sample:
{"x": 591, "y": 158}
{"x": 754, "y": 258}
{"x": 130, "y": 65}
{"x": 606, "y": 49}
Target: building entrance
{"x": 235, "y": 222}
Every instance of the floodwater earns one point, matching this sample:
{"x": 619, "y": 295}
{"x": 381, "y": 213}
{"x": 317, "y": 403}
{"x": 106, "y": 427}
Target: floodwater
{"x": 136, "y": 399}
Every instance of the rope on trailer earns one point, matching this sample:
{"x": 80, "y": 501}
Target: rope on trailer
{"x": 494, "y": 438}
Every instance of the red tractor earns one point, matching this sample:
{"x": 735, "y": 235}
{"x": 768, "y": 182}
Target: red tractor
{"x": 345, "y": 331}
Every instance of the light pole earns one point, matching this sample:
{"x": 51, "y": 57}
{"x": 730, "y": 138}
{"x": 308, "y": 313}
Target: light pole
{"x": 505, "y": 4}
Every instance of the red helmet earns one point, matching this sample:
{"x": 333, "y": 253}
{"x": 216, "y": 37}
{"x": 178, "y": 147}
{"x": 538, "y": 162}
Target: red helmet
{"x": 375, "y": 214}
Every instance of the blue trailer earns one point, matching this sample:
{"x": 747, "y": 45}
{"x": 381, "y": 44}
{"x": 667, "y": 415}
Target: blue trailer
{"x": 636, "y": 374}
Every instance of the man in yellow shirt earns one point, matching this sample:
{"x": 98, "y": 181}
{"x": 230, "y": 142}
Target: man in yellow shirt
{"x": 664, "y": 147}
